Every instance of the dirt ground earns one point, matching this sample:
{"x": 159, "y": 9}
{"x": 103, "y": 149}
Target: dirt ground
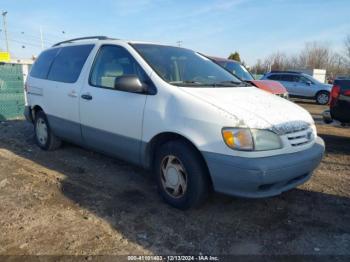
{"x": 73, "y": 201}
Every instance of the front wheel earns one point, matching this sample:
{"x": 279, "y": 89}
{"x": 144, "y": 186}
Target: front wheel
{"x": 322, "y": 98}
{"x": 44, "y": 137}
{"x": 182, "y": 177}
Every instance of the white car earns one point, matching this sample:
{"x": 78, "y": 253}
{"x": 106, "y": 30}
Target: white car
{"x": 171, "y": 110}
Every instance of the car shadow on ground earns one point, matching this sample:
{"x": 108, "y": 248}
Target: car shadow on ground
{"x": 303, "y": 101}
{"x": 339, "y": 145}
{"x": 125, "y": 196}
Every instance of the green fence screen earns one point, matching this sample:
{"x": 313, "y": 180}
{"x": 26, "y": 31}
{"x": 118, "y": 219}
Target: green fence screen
{"x": 11, "y": 91}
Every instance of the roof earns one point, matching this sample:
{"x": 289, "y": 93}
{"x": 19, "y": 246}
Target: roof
{"x": 285, "y": 72}
{"x": 83, "y": 38}
{"x": 93, "y": 39}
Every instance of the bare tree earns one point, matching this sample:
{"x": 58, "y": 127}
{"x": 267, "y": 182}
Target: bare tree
{"x": 258, "y": 68}
{"x": 314, "y": 55}
{"x": 347, "y": 47}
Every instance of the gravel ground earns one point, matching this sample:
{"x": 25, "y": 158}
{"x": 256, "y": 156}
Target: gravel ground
{"x": 73, "y": 201}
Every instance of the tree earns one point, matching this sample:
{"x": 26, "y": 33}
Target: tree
{"x": 347, "y": 48}
{"x": 258, "y": 68}
{"x": 235, "y": 56}
{"x": 314, "y": 55}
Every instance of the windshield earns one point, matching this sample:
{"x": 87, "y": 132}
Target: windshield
{"x": 183, "y": 67}
{"x": 239, "y": 70}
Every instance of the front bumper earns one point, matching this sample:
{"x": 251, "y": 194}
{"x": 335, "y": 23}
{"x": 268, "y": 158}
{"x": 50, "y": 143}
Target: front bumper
{"x": 263, "y": 177}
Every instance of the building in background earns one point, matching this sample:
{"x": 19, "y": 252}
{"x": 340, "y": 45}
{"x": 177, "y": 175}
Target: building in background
{"x": 319, "y": 74}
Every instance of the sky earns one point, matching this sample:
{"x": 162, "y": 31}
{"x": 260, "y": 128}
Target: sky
{"x": 254, "y": 28}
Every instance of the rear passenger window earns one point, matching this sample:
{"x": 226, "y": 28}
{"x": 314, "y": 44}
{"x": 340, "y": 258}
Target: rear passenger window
{"x": 42, "y": 65}
{"x": 288, "y": 78}
{"x": 68, "y": 63}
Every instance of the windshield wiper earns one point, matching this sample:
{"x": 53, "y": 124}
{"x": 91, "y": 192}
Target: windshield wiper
{"x": 231, "y": 83}
{"x": 191, "y": 82}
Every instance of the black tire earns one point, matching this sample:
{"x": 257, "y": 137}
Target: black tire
{"x": 52, "y": 142}
{"x": 198, "y": 183}
{"x": 320, "y": 98}
{"x": 327, "y": 121}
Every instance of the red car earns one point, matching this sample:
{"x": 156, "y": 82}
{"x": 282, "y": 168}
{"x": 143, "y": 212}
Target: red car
{"x": 339, "y": 105}
{"x": 239, "y": 70}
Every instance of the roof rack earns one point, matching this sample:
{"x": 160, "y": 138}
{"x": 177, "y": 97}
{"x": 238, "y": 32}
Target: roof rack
{"x": 83, "y": 38}
{"x": 286, "y": 71}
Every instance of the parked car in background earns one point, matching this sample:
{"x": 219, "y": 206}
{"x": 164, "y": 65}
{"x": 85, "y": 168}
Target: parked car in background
{"x": 339, "y": 106}
{"x": 174, "y": 111}
{"x": 239, "y": 70}
{"x": 301, "y": 85}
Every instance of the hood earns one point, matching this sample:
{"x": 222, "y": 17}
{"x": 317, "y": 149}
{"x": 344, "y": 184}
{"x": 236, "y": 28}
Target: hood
{"x": 327, "y": 87}
{"x": 271, "y": 86}
{"x": 253, "y": 108}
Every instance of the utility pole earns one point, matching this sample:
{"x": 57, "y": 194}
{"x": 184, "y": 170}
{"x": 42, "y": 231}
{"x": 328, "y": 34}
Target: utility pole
{"x": 5, "y": 30}
{"x": 179, "y": 43}
{"x": 41, "y": 38}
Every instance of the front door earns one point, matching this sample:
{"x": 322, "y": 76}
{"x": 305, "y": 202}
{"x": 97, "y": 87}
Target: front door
{"x": 305, "y": 86}
{"x": 111, "y": 120}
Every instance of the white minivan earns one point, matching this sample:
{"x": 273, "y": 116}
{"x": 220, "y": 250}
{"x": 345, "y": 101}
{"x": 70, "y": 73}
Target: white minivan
{"x": 173, "y": 111}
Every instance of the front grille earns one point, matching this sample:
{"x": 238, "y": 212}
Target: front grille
{"x": 301, "y": 137}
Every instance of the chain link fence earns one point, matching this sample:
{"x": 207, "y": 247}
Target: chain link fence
{"x": 11, "y": 91}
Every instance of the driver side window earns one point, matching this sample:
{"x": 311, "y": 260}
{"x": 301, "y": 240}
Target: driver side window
{"x": 112, "y": 62}
{"x": 304, "y": 80}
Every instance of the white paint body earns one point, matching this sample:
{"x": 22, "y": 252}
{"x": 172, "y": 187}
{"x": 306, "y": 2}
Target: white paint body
{"x": 199, "y": 114}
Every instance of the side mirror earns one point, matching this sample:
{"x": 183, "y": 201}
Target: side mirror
{"x": 308, "y": 83}
{"x": 129, "y": 83}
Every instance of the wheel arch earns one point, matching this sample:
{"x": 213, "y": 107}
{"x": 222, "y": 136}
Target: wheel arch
{"x": 150, "y": 148}
{"x": 322, "y": 91}
{"x": 35, "y": 110}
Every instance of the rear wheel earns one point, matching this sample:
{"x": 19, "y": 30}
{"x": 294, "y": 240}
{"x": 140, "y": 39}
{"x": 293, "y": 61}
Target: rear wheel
{"x": 44, "y": 137}
{"x": 182, "y": 177}
{"x": 322, "y": 98}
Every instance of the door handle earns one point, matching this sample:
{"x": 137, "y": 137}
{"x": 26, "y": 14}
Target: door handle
{"x": 86, "y": 96}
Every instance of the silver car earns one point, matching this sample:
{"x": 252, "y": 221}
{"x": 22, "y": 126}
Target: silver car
{"x": 301, "y": 85}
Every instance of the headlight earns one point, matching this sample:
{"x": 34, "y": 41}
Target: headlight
{"x": 265, "y": 140}
{"x": 251, "y": 139}
{"x": 238, "y": 138}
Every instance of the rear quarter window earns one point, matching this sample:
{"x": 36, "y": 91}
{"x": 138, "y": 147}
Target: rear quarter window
{"x": 42, "y": 65}
{"x": 68, "y": 63}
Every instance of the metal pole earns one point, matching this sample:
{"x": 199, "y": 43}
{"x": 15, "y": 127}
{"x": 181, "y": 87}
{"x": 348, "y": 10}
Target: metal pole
{"x": 41, "y": 38}
{"x": 5, "y": 30}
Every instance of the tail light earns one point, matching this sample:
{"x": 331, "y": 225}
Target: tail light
{"x": 334, "y": 95}
{"x": 347, "y": 93}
